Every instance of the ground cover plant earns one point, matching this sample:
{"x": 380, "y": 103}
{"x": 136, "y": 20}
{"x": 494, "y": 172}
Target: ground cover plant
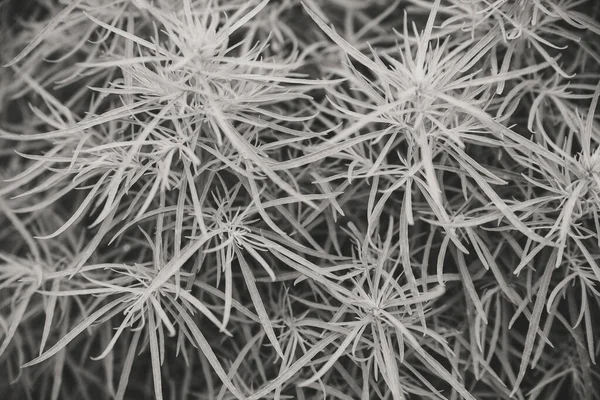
{"x": 276, "y": 199}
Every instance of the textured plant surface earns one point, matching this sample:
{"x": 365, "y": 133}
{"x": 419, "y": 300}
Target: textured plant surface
{"x": 334, "y": 199}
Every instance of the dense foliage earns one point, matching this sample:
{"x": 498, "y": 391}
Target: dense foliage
{"x": 335, "y": 199}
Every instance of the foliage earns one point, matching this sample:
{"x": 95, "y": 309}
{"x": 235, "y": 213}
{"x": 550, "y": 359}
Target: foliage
{"x": 231, "y": 199}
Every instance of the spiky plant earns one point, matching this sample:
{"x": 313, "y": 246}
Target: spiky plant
{"x": 281, "y": 199}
